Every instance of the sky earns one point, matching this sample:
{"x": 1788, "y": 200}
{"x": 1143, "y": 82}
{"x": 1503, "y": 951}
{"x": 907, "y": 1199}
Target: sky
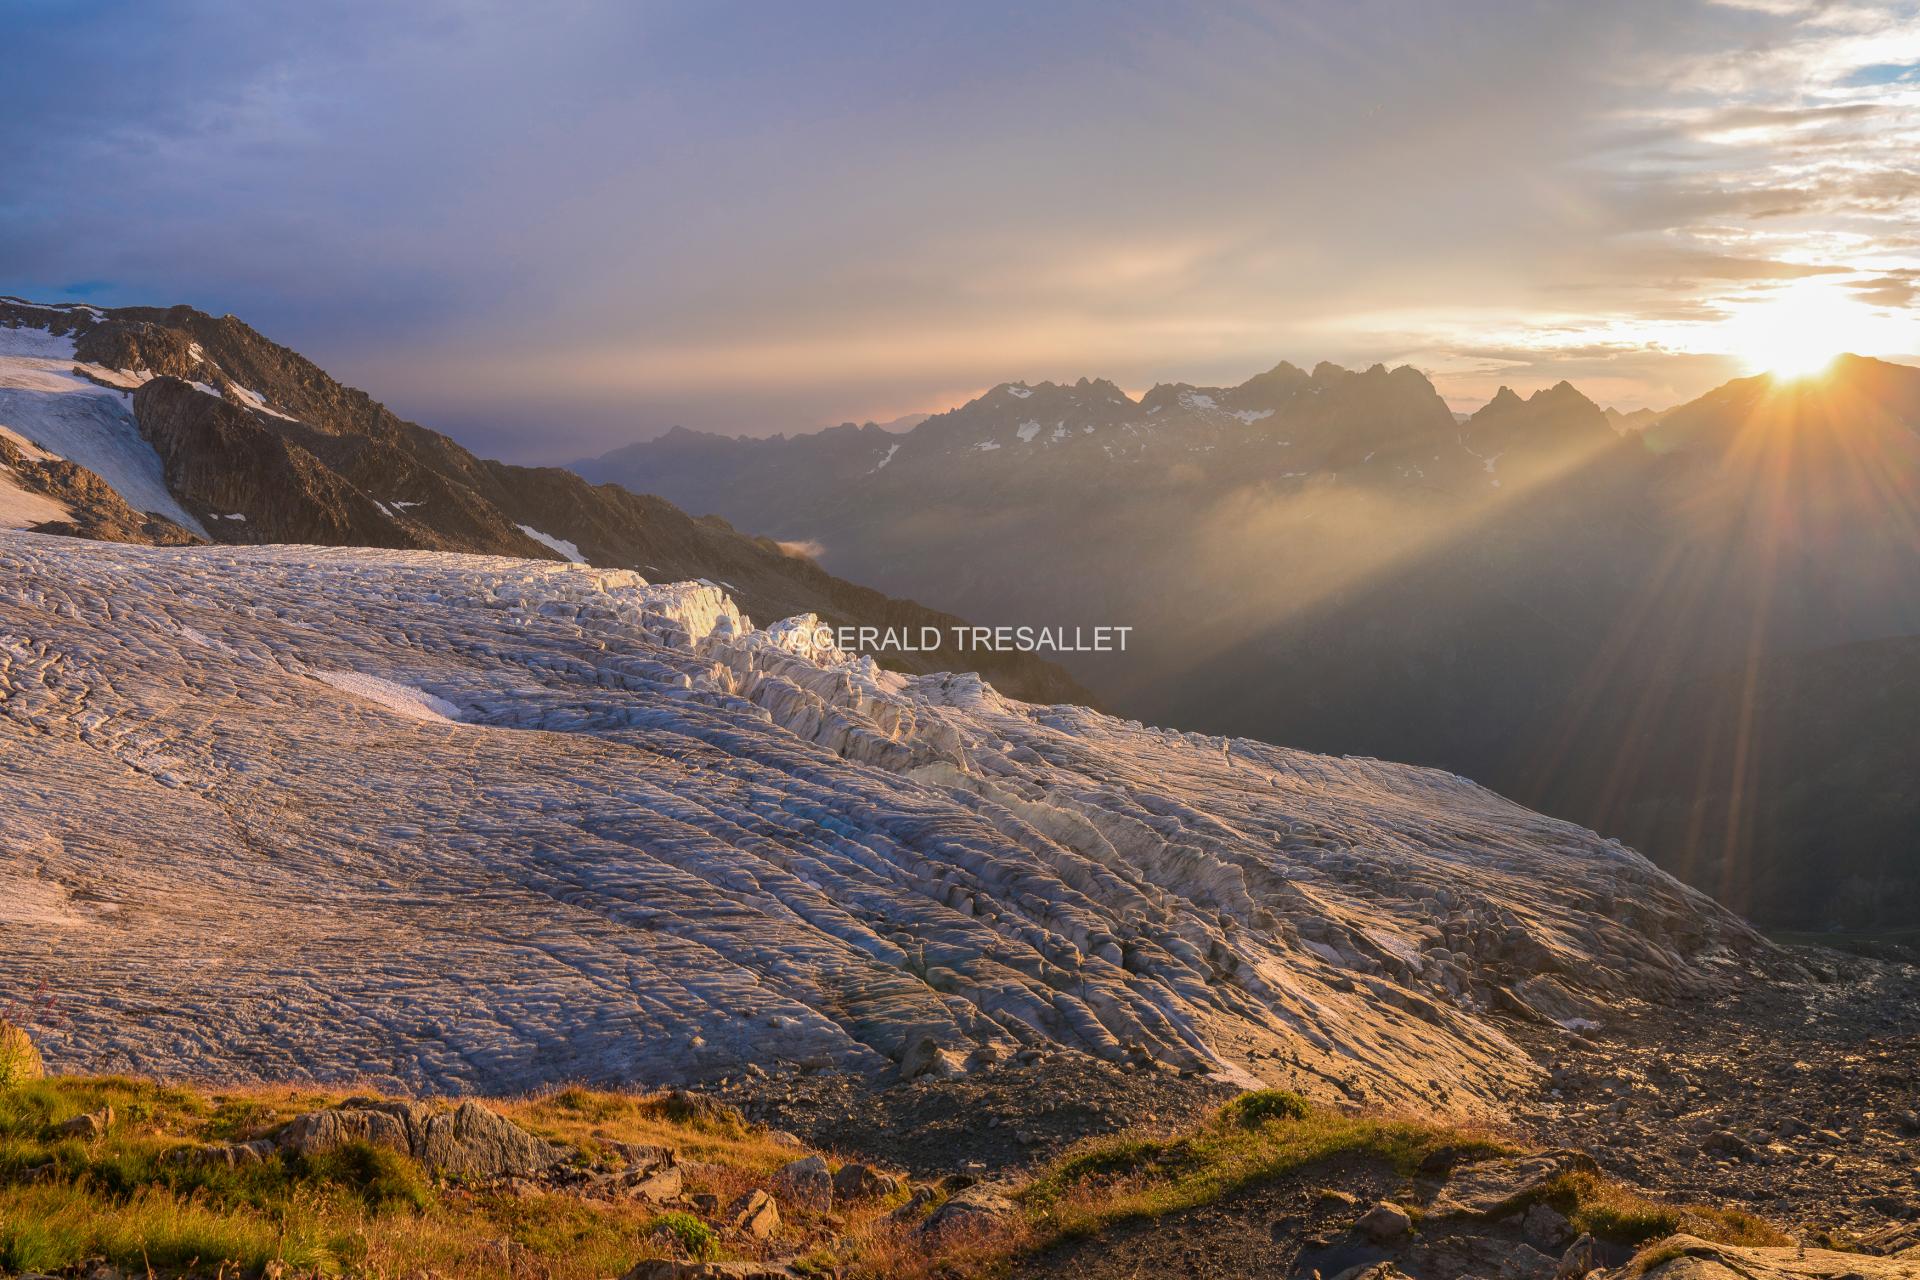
{"x": 551, "y": 229}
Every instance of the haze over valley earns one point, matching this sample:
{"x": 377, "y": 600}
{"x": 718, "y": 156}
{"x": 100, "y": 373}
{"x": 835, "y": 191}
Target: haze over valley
{"x": 1636, "y": 622}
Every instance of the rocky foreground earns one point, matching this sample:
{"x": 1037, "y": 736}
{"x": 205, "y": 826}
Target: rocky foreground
{"x": 111, "y": 1179}
{"x": 449, "y": 823}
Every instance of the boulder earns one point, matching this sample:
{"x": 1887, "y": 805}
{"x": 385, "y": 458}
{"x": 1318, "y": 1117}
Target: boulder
{"x": 926, "y": 1056}
{"x": 1684, "y": 1257}
{"x": 756, "y": 1213}
{"x": 980, "y": 1206}
{"x": 863, "y": 1182}
{"x": 1546, "y": 1227}
{"x": 672, "y": 1269}
{"x": 657, "y": 1186}
{"x": 1581, "y": 1258}
{"x": 1384, "y": 1222}
{"x": 1488, "y": 1188}
{"x": 807, "y": 1182}
{"x": 473, "y": 1142}
{"x": 469, "y": 1142}
{"x": 386, "y": 1124}
{"x": 89, "y": 1127}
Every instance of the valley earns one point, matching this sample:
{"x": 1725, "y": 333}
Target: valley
{"x": 1661, "y": 626}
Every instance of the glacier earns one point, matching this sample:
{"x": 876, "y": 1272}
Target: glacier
{"x": 458, "y": 823}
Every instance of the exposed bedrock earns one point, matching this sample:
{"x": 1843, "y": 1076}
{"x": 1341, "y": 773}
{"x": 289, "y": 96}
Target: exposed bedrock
{"x": 462, "y": 823}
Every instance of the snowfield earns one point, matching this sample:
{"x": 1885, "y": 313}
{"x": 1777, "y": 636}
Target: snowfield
{"x": 245, "y": 837}
{"x": 43, "y": 399}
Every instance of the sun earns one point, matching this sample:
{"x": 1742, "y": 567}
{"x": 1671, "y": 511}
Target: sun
{"x": 1797, "y": 332}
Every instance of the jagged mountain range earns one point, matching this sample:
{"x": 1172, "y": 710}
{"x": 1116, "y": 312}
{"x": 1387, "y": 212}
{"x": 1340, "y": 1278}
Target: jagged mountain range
{"x": 170, "y": 426}
{"x": 1542, "y": 595}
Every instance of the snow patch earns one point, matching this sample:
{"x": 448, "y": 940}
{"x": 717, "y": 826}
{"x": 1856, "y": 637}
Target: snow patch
{"x": 1251, "y": 416}
{"x": 255, "y": 401}
{"x": 401, "y": 699}
{"x": 1019, "y": 390}
{"x": 22, "y": 509}
{"x": 565, "y": 548}
{"x": 44, "y": 399}
{"x": 1027, "y": 431}
{"x": 891, "y": 450}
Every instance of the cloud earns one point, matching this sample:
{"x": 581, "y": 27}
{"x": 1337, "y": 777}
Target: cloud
{"x": 1780, "y": 119}
{"x": 552, "y": 228}
{"x": 1898, "y": 289}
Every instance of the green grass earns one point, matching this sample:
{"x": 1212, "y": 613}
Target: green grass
{"x": 1262, "y": 1136}
{"x": 1612, "y": 1212}
{"x": 1254, "y": 1138}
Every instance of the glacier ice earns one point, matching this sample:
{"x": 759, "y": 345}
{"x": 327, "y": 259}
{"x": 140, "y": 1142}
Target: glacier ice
{"x": 462, "y": 823}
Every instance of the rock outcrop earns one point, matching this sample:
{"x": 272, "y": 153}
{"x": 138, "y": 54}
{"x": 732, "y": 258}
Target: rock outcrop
{"x": 469, "y": 1143}
{"x": 1690, "y": 1258}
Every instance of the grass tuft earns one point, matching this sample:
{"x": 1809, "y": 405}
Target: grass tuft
{"x": 699, "y": 1240}
{"x": 1613, "y": 1212}
{"x": 1263, "y": 1105}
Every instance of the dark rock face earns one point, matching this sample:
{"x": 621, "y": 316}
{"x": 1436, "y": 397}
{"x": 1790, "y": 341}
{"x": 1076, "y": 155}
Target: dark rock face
{"x": 251, "y": 484}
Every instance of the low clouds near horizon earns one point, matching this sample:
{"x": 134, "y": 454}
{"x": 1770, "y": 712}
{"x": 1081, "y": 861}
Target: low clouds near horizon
{"x": 551, "y": 229}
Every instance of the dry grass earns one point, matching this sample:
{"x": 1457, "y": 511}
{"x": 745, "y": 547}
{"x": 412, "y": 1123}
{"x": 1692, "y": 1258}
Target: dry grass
{"x": 361, "y": 1211}
{"x": 368, "y": 1212}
